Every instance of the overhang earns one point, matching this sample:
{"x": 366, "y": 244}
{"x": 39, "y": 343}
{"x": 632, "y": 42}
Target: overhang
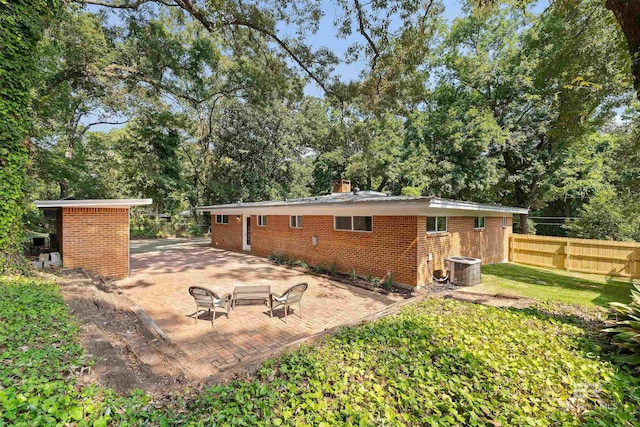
{"x": 91, "y": 203}
{"x": 387, "y": 206}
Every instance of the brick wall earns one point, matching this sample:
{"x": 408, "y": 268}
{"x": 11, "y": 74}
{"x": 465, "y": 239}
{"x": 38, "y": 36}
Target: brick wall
{"x": 397, "y": 244}
{"x": 490, "y": 244}
{"x": 97, "y": 240}
{"x": 228, "y": 236}
{"x": 391, "y": 246}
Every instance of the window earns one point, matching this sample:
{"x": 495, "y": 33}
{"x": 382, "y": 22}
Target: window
{"x": 262, "y": 220}
{"x": 478, "y": 222}
{"x": 504, "y": 222}
{"x": 222, "y": 219}
{"x": 296, "y": 221}
{"x": 353, "y": 223}
{"x": 436, "y": 224}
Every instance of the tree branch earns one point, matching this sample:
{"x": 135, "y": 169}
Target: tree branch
{"x": 212, "y": 28}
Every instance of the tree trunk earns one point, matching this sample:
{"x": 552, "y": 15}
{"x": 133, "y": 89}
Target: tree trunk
{"x": 524, "y": 222}
{"x": 627, "y": 13}
{"x": 64, "y": 188}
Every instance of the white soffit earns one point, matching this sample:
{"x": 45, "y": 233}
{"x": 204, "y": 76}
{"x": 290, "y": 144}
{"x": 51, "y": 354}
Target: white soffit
{"x": 91, "y": 203}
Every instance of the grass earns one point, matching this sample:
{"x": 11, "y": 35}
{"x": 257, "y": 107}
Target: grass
{"x": 440, "y": 362}
{"x": 553, "y": 285}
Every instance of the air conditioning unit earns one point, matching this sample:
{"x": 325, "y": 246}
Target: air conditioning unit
{"x": 463, "y": 271}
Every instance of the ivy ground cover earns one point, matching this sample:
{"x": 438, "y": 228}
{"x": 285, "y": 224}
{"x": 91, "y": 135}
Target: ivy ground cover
{"x": 440, "y": 362}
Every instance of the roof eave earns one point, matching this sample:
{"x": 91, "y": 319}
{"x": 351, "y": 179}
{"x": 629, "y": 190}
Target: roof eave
{"x": 92, "y": 203}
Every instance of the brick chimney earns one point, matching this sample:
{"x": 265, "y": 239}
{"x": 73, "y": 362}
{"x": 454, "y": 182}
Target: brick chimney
{"x": 341, "y": 186}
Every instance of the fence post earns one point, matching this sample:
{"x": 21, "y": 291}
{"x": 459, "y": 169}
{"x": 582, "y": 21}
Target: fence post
{"x": 512, "y": 241}
{"x": 567, "y": 253}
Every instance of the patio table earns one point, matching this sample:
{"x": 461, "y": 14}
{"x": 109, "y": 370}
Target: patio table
{"x": 251, "y": 293}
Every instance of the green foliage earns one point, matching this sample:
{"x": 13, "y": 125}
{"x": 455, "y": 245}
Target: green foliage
{"x": 626, "y": 332}
{"x": 333, "y": 269}
{"x": 604, "y": 217}
{"x": 40, "y": 355}
{"x": 320, "y": 268}
{"x": 451, "y": 363}
{"x": 388, "y": 282}
{"x": 299, "y": 263}
{"x": 148, "y": 226}
{"x": 440, "y": 361}
{"x": 279, "y": 258}
{"x": 21, "y": 25}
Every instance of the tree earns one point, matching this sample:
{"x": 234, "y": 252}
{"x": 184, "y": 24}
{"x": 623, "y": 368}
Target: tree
{"x": 536, "y": 84}
{"x": 21, "y": 25}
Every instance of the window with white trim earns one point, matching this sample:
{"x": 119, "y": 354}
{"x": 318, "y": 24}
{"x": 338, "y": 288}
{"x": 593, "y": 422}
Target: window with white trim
{"x": 504, "y": 222}
{"x": 478, "y": 222}
{"x": 295, "y": 221}
{"x": 262, "y": 220}
{"x": 436, "y": 224}
{"x": 222, "y": 219}
{"x": 353, "y": 223}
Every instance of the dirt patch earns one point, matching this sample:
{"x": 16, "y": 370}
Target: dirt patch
{"x": 494, "y": 300}
{"x": 128, "y": 352}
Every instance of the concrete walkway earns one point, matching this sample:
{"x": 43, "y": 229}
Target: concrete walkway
{"x": 163, "y": 270}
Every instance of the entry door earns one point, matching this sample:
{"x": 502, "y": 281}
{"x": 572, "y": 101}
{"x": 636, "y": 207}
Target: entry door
{"x": 246, "y": 232}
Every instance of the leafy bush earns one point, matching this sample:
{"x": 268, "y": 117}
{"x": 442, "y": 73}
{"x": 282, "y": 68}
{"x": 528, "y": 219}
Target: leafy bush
{"x": 626, "y": 333}
{"x": 388, "y": 282}
{"x": 320, "y": 268}
{"x": 278, "y": 258}
{"x": 145, "y": 226}
{"x": 333, "y": 269}
{"x": 299, "y": 263}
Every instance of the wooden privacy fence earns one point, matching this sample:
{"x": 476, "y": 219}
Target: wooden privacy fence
{"x": 583, "y": 255}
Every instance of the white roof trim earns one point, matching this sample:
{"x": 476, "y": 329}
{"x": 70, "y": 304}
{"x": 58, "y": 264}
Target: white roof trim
{"x": 418, "y": 206}
{"x": 92, "y": 203}
{"x": 455, "y": 204}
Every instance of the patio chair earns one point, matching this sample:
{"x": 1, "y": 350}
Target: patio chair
{"x": 290, "y": 296}
{"x": 209, "y": 300}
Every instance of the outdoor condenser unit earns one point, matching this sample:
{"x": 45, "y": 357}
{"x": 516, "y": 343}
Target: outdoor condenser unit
{"x": 463, "y": 271}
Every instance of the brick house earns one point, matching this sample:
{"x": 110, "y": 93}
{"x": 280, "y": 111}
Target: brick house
{"x": 369, "y": 232}
{"x": 93, "y": 234}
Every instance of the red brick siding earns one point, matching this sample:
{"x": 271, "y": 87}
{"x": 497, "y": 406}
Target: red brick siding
{"x": 490, "y": 244}
{"x": 227, "y": 236}
{"x": 97, "y": 240}
{"x": 397, "y": 244}
{"x": 391, "y": 246}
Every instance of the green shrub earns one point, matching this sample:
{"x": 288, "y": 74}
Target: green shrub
{"x": 354, "y": 275}
{"x": 388, "y": 282}
{"x": 320, "y": 268}
{"x": 333, "y": 269}
{"x": 626, "y": 333}
{"x": 278, "y": 258}
{"x": 300, "y": 263}
{"x": 369, "y": 278}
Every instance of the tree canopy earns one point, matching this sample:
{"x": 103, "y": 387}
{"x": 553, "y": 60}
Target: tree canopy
{"x": 195, "y": 103}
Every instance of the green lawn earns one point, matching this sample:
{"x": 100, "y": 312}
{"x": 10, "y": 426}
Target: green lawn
{"x": 553, "y": 285}
{"x": 438, "y": 363}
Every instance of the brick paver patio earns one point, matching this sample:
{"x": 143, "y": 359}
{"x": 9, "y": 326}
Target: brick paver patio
{"x": 162, "y": 273}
